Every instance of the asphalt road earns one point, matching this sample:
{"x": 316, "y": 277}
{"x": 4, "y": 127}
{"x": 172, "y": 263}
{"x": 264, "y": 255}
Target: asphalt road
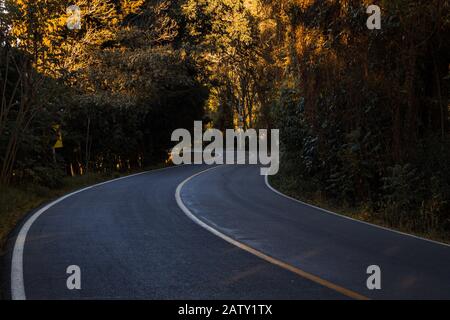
{"x": 225, "y": 236}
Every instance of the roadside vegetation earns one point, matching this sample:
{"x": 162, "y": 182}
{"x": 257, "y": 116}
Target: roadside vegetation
{"x": 365, "y": 125}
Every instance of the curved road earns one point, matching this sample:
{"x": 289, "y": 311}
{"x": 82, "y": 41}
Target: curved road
{"x": 134, "y": 239}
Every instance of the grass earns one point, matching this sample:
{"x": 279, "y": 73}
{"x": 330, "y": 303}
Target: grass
{"x": 289, "y": 186}
{"x": 17, "y": 201}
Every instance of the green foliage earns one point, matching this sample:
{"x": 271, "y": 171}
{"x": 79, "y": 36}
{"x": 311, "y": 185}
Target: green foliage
{"x": 403, "y": 190}
{"x": 50, "y": 177}
{"x": 118, "y": 87}
{"x": 372, "y": 129}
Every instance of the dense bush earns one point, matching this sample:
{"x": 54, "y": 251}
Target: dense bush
{"x": 365, "y": 122}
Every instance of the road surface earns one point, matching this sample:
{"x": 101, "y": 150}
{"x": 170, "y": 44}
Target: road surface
{"x": 198, "y": 232}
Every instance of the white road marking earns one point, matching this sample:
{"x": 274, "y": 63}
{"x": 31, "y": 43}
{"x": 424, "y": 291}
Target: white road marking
{"x": 17, "y": 280}
{"x": 349, "y": 218}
